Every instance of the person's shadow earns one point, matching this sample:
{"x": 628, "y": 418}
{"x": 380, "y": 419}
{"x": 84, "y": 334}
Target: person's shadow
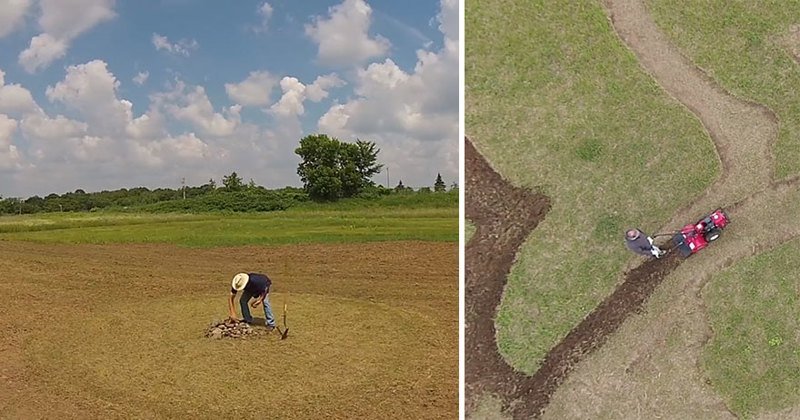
{"x": 259, "y": 321}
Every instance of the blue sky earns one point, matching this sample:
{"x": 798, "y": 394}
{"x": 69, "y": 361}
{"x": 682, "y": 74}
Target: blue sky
{"x": 104, "y": 94}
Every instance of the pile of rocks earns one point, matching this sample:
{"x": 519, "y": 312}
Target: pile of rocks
{"x": 231, "y": 329}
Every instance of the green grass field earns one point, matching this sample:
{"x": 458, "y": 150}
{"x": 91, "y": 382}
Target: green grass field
{"x": 554, "y": 100}
{"x": 743, "y": 45}
{"x": 204, "y": 230}
{"x": 753, "y": 360}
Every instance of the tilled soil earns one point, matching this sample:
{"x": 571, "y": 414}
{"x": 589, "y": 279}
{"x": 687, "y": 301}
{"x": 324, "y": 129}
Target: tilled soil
{"x": 234, "y": 329}
{"x": 504, "y": 216}
{"x": 116, "y": 331}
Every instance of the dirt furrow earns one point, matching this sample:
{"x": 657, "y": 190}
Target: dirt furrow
{"x": 505, "y": 215}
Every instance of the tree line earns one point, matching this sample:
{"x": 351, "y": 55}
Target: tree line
{"x": 330, "y": 170}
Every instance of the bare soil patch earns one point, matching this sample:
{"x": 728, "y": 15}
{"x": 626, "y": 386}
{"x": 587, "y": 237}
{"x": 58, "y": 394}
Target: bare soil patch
{"x": 792, "y": 42}
{"x": 116, "y": 331}
{"x": 504, "y": 216}
{"x": 228, "y": 329}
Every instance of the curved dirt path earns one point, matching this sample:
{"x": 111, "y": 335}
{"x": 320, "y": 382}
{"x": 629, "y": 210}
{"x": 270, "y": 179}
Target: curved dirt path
{"x": 743, "y": 133}
{"x": 504, "y": 216}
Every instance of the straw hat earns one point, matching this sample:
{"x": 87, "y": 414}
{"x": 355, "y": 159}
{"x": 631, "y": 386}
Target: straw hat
{"x": 240, "y": 281}
{"x": 632, "y": 234}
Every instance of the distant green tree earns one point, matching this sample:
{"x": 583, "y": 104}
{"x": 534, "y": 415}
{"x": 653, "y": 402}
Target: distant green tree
{"x": 424, "y": 190}
{"x": 331, "y": 169}
{"x": 232, "y": 182}
{"x": 208, "y": 187}
{"x": 439, "y": 186}
{"x": 400, "y": 188}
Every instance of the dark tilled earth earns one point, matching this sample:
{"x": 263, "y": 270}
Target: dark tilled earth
{"x": 231, "y": 329}
{"x": 505, "y": 216}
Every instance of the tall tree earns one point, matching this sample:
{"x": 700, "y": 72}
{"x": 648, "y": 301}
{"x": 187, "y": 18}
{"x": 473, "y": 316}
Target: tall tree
{"x": 400, "y": 187}
{"x": 331, "y": 169}
{"x": 439, "y": 186}
{"x": 232, "y": 182}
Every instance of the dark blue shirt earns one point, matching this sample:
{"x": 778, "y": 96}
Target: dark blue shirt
{"x": 257, "y": 284}
{"x": 640, "y": 245}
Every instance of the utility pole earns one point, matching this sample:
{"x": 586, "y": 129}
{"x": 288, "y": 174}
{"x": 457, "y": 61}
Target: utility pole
{"x": 183, "y": 187}
{"x": 387, "y": 177}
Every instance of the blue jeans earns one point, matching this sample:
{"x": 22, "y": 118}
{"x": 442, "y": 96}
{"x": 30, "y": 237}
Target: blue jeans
{"x": 246, "y": 296}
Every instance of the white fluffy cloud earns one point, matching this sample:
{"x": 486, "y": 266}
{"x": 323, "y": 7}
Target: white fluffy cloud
{"x": 193, "y": 106}
{"x": 12, "y": 15}
{"x": 9, "y": 156}
{"x": 318, "y": 90}
{"x": 343, "y": 37}
{"x": 413, "y": 116}
{"x": 265, "y": 11}
{"x": 62, "y": 21}
{"x": 448, "y": 19}
{"x": 170, "y": 150}
{"x": 42, "y": 127}
{"x": 68, "y": 19}
{"x": 183, "y": 47}
{"x": 15, "y": 99}
{"x": 109, "y": 135}
{"x": 295, "y": 93}
{"x": 91, "y": 89}
{"x": 291, "y": 103}
{"x": 141, "y": 77}
{"x": 43, "y": 50}
{"x": 255, "y": 90}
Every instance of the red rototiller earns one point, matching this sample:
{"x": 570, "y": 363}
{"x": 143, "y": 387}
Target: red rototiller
{"x": 696, "y": 236}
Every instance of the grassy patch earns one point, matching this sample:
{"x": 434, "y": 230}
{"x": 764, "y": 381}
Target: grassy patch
{"x": 305, "y": 225}
{"x": 469, "y": 229}
{"x": 753, "y": 360}
{"x": 745, "y": 46}
{"x": 489, "y": 408}
{"x": 554, "y": 100}
{"x": 589, "y": 150}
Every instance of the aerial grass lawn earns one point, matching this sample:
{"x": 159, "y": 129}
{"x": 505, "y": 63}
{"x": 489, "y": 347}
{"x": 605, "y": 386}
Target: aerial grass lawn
{"x": 753, "y": 360}
{"x": 745, "y": 46}
{"x": 555, "y": 100}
